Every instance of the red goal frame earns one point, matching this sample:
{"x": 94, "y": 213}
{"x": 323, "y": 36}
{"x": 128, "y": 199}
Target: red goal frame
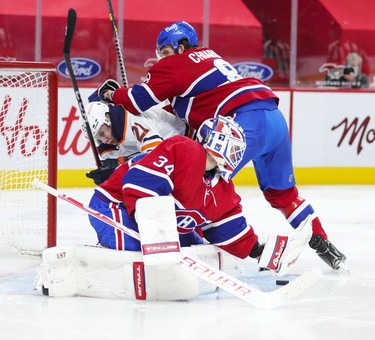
{"x": 50, "y": 69}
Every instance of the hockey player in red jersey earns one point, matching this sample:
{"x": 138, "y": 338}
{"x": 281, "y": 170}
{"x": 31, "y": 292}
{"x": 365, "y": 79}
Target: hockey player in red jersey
{"x": 199, "y": 84}
{"x": 196, "y": 177}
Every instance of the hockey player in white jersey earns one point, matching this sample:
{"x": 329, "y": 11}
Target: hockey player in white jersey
{"x": 120, "y": 135}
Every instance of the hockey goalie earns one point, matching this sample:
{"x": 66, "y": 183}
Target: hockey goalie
{"x": 171, "y": 204}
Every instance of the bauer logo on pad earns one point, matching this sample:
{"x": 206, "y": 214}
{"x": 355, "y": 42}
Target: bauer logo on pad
{"x": 83, "y": 68}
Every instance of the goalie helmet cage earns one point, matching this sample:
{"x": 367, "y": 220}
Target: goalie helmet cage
{"x": 28, "y": 142}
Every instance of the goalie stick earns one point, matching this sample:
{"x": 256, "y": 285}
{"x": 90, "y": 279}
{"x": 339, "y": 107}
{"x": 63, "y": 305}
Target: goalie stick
{"x": 209, "y": 273}
{"x": 69, "y": 32}
{"x": 38, "y": 184}
{"x": 117, "y": 43}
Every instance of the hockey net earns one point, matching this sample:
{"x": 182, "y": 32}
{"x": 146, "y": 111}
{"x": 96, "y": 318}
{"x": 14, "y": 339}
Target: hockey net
{"x": 28, "y": 142}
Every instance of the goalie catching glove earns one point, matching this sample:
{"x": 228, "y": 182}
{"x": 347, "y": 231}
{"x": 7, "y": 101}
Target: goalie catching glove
{"x": 101, "y": 174}
{"x": 98, "y": 95}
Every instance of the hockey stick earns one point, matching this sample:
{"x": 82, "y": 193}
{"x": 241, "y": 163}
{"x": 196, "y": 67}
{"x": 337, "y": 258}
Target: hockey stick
{"x": 38, "y": 184}
{"x": 69, "y": 32}
{"x": 209, "y": 273}
{"x": 120, "y": 57}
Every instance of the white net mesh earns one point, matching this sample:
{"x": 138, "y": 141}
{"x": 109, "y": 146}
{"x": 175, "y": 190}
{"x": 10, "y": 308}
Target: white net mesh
{"x": 24, "y": 124}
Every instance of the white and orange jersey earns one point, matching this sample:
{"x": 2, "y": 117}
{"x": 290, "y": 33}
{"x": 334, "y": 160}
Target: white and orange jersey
{"x": 141, "y": 133}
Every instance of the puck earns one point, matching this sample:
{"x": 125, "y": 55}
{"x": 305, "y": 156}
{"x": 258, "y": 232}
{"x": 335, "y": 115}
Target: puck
{"x": 45, "y": 291}
{"x": 282, "y": 282}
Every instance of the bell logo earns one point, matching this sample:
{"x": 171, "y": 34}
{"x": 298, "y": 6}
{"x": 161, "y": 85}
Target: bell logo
{"x": 170, "y": 28}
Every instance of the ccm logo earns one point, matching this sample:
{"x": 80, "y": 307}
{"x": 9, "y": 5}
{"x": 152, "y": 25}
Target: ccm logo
{"x": 83, "y": 68}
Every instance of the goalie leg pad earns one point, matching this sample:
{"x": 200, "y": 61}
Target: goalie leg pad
{"x": 106, "y": 273}
{"x": 272, "y": 252}
{"x": 156, "y": 219}
{"x": 281, "y": 252}
{"x": 57, "y": 271}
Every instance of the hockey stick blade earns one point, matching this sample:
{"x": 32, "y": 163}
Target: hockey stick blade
{"x": 252, "y": 295}
{"x": 201, "y": 269}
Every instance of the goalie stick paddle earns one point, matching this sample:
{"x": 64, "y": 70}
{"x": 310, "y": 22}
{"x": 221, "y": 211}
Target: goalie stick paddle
{"x": 120, "y": 57}
{"x": 250, "y": 294}
{"x": 69, "y": 32}
{"x": 214, "y": 276}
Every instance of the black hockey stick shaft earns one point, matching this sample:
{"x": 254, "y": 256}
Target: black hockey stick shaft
{"x": 120, "y": 57}
{"x": 69, "y": 32}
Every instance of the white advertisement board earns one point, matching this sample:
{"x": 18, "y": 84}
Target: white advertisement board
{"x": 329, "y": 129}
{"x": 284, "y": 104}
{"x": 74, "y": 150}
{"x": 333, "y": 129}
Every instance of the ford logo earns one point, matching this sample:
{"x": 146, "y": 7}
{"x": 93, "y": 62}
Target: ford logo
{"x": 83, "y": 68}
{"x": 248, "y": 69}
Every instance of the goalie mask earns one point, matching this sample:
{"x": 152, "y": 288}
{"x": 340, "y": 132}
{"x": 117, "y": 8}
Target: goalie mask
{"x": 173, "y": 34}
{"x": 225, "y": 142}
{"x": 96, "y": 115}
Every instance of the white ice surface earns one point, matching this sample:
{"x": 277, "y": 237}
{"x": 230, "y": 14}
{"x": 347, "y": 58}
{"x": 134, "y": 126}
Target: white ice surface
{"x": 340, "y": 306}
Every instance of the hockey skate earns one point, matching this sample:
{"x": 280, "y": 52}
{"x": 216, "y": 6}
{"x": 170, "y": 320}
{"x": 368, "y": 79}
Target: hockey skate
{"x": 327, "y": 252}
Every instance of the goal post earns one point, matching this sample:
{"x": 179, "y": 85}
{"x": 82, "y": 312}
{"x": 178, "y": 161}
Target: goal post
{"x": 28, "y": 150}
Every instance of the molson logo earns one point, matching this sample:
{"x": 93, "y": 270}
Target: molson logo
{"x": 248, "y": 69}
{"x": 356, "y": 132}
{"x": 83, "y": 68}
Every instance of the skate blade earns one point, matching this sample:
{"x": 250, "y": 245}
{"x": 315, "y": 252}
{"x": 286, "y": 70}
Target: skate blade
{"x": 344, "y": 267}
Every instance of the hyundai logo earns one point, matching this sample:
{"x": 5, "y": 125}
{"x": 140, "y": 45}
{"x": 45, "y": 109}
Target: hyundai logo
{"x": 83, "y": 68}
{"x": 249, "y": 69}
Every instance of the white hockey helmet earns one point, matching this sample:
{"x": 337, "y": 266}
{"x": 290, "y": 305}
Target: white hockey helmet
{"x": 225, "y": 141}
{"x": 96, "y": 115}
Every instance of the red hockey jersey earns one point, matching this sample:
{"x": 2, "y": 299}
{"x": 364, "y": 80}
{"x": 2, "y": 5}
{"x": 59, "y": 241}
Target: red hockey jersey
{"x": 177, "y": 167}
{"x": 198, "y": 83}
